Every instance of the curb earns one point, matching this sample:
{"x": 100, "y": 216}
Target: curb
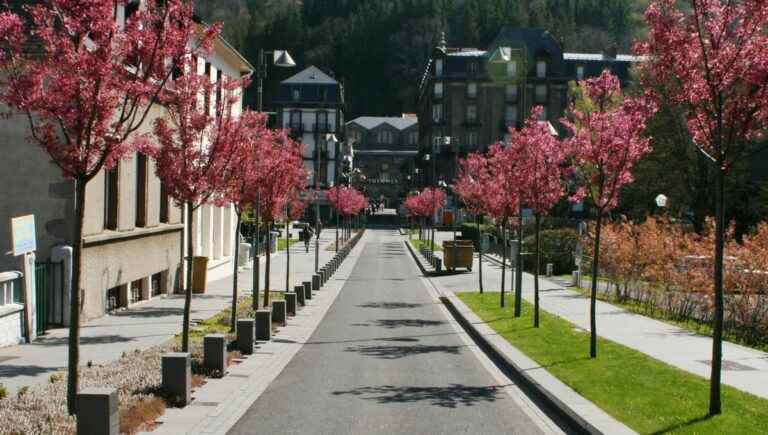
{"x": 534, "y": 380}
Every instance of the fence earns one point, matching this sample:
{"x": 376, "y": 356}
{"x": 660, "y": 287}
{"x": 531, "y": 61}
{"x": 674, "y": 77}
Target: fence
{"x": 50, "y": 298}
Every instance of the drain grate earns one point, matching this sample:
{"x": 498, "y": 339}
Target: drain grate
{"x": 730, "y": 365}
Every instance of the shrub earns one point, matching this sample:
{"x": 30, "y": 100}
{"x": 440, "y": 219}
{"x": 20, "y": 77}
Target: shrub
{"x": 3, "y": 392}
{"x": 142, "y": 415}
{"x": 557, "y": 247}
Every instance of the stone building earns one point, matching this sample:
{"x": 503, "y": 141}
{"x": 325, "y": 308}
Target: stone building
{"x": 133, "y": 232}
{"x": 474, "y": 96}
{"x": 384, "y": 153}
{"x": 311, "y": 105}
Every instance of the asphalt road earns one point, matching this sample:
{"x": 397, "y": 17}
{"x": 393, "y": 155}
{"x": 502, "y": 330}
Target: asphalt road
{"x": 385, "y": 360}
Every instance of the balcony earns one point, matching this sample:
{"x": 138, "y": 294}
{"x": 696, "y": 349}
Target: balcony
{"x": 322, "y": 127}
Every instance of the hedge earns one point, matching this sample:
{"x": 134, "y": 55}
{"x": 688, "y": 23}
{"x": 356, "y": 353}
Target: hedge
{"x": 557, "y": 247}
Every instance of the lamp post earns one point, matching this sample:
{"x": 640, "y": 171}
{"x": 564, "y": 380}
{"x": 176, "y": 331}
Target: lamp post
{"x": 661, "y": 201}
{"x": 280, "y": 58}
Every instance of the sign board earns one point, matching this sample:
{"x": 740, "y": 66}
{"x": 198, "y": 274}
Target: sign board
{"x": 23, "y": 234}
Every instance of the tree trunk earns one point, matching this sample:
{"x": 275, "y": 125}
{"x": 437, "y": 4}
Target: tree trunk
{"x": 337, "y": 231}
{"x": 503, "y": 259}
{"x": 519, "y": 266}
{"x": 317, "y": 241}
{"x": 287, "y": 258}
{"x": 74, "y": 303}
{"x": 268, "y": 253}
{"x": 715, "y": 406}
{"x": 593, "y": 293}
{"x": 188, "y": 290}
{"x": 479, "y": 254}
{"x": 233, "y": 316}
{"x": 256, "y": 256}
{"x": 537, "y": 272}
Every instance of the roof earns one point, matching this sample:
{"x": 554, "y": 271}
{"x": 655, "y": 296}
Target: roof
{"x": 468, "y": 53}
{"x": 371, "y": 122}
{"x": 311, "y": 75}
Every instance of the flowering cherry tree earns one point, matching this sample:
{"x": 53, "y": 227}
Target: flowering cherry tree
{"x": 246, "y": 136}
{"x": 196, "y": 150}
{"x": 607, "y": 141}
{"x": 710, "y": 59}
{"x": 85, "y": 84}
{"x": 472, "y": 186}
{"x": 541, "y": 163}
{"x": 347, "y": 201}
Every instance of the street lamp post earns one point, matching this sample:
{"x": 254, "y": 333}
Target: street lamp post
{"x": 280, "y": 58}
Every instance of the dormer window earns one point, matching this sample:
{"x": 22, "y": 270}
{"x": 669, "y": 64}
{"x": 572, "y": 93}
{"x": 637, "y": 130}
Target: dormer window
{"x": 510, "y": 92}
{"x": 471, "y": 90}
{"x": 580, "y": 72}
{"x": 296, "y": 94}
{"x": 438, "y": 67}
{"x": 541, "y": 69}
{"x": 323, "y": 94}
{"x": 541, "y": 94}
{"x": 512, "y": 69}
{"x": 385, "y": 137}
{"x": 438, "y": 89}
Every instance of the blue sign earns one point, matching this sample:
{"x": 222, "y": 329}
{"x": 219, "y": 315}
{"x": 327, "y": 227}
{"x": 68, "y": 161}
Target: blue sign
{"x": 23, "y": 234}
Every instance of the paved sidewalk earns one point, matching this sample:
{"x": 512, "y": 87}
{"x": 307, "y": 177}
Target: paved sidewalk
{"x": 218, "y": 404}
{"x": 743, "y": 368}
{"x": 146, "y": 324}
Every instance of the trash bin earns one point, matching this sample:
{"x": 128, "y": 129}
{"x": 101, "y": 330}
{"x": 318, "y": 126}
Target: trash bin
{"x": 199, "y": 274}
{"x": 458, "y": 253}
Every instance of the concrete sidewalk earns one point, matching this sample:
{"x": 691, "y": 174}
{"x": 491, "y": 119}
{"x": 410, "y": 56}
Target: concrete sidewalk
{"x": 743, "y": 368}
{"x": 146, "y": 324}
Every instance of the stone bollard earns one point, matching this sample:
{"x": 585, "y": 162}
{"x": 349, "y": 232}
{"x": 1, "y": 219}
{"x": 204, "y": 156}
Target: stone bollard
{"x": 290, "y": 304}
{"x": 245, "y": 338}
{"x": 550, "y": 269}
{"x": 177, "y": 376}
{"x": 215, "y": 352}
{"x": 317, "y": 280}
{"x": 307, "y": 292}
{"x": 299, "y": 290}
{"x": 307, "y": 286}
{"x": 264, "y": 325}
{"x": 97, "y": 412}
{"x": 279, "y": 313}
{"x": 438, "y": 265}
{"x": 575, "y": 278}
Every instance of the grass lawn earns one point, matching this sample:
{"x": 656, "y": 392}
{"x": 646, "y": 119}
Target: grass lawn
{"x": 418, "y": 243}
{"x": 645, "y": 394}
{"x": 281, "y": 243}
{"x": 219, "y": 323}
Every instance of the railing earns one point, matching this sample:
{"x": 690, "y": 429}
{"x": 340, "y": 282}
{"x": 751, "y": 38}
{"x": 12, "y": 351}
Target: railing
{"x": 296, "y": 127}
{"x": 10, "y": 288}
{"x": 323, "y": 127}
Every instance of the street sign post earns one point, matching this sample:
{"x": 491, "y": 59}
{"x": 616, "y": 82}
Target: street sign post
{"x": 25, "y": 243}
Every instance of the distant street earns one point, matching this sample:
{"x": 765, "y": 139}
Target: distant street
{"x": 385, "y": 360}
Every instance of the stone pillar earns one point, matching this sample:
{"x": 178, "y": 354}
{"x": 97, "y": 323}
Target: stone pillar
{"x": 217, "y": 232}
{"x": 60, "y": 303}
{"x": 264, "y": 325}
{"x": 279, "y": 313}
{"x": 177, "y": 376}
{"x": 290, "y": 304}
{"x": 215, "y": 352}
{"x": 245, "y": 338}
{"x": 97, "y": 411}
{"x": 307, "y": 287}
{"x": 229, "y": 219}
{"x": 307, "y": 293}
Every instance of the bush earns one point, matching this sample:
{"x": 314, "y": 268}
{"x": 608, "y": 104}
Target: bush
{"x": 3, "y": 392}
{"x": 557, "y": 247}
{"x": 469, "y": 231}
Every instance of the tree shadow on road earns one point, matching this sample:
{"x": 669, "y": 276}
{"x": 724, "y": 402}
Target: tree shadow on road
{"x": 397, "y": 323}
{"x": 451, "y": 396}
{"x": 397, "y": 352}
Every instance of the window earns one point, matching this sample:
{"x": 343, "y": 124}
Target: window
{"x": 541, "y": 94}
{"x": 164, "y": 204}
{"x": 471, "y": 90}
{"x": 136, "y": 291}
{"x": 207, "y": 93}
{"x": 323, "y": 94}
{"x": 580, "y": 72}
{"x": 541, "y": 69}
{"x": 472, "y": 139}
{"x": 511, "y": 93}
{"x": 141, "y": 190}
{"x": 471, "y": 112}
{"x": 413, "y": 138}
{"x": 296, "y": 94}
{"x": 438, "y": 89}
{"x": 219, "y": 90}
{"x": 384, "y": 137}
{"x": 438, "y": 67}
{"x": 157, "y": 284}
{"x": 10, "y": 292}
{"x": 543, "y": 115}
{"x": 322, "y": 122}
{"x": 437, "y": 112}
{"x": 472, "y": 68}
{"x": 512, "y": 69}
{"x": 110, "y": 198}
{"x": 113, "y": 299}
{"x": 295, "y": 120}
{"x": 510, "y": 115}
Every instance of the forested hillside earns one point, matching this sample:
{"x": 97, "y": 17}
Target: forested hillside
{"x": 378, "y": 47}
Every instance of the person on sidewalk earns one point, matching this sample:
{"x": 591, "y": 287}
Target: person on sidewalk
{"x": 307, "y": 237}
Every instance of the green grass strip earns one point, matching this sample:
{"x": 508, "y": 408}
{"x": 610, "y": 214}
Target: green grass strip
{"x": 281, "y": 243}
{"x": 647, "y": 395}
{"x": 418, "y": 243}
